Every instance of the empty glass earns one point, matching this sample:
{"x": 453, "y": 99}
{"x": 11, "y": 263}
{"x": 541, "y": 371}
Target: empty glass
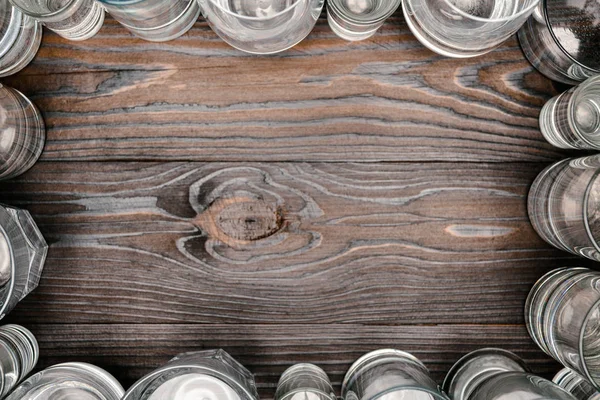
{"x": 20, "y": 39}
{"x": 496, "y": 374}
{"x": 262, "y": 26}
{"x": 69, "y": 381}
{"x": 304, "y": 382}
{"x": 22, "y": 133}
{"x": 564, "y": 205}
{"x": 561, "y": 39}
{"x": 562, "y": 314}
{"x": 19, "y": 353}
{"x": 71, "y": 19}
{"x": 390, "y": 375}
{"x": 206, "y": 375}
{"x": 22, "y": 255}
{"x": 359, "y": 19}
{"x": 465, "y": 28}
{"x": 573, "y": 383}
{"x": 572, "y": 120}
{"x": 154, "y": 20}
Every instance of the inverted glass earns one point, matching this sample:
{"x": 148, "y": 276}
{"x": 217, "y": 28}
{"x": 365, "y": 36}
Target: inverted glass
{"x": 304, "y": 381}
{"x": 262, "y": 26}
{"x": 22, "y": 133}
{"x": 391, "y": 375}
{"x": 496, "y": 374}
{"x": 465, "y": 28}
{"x": 208, "y": 375}
{"x": 564, "y": 205}
{"x": 69, "y": 381}
{"x": 572, "y": 119}
{"x": 561, "y": 39}
{"x": 71, "y": 19}
{"x": 20, "y": 39}
{"x": 359, "y": 19}
{"x": 573, "y": 383}
{"x": 154, "y": 20}
{"x": 563, "y": 315}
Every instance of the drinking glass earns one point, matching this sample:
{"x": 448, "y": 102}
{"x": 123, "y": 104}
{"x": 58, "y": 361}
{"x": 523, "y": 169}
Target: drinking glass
{"x": 561, "y": 39}
{"x": 208, "y": 375}
{"x": 573, "y": 383}
{"x": 564, "y": 205}
{"x": 19, "y": 353}
{"x": 154, "y": 20}
{"x": 391, "y": 375}
{"x": 71, "y": 19}
{"x": 22, "y": 133}
{"x": 69, "y": 381}
{"x": 22, "y": 255}
{"x": 465, "y": 28}
{"x": 20, "y": 39}
{"x": 562, "y": 314}
{"x": 262, "y": 26}
{"x": 496, "y": 374}
{"x": 304, "y": 381}
{"x": 359, "y": 19}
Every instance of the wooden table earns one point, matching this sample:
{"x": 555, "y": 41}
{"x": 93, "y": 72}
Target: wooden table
{"x": 307, "y": 207}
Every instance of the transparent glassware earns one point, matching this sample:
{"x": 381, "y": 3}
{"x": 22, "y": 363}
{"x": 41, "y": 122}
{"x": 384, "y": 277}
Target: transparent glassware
{"x": 22, "y": 254}
{"x": 465, "y": 28}
{"x": 19, "y": 353}
{"x": 262, "y": 26}
{"x": 572, "y": 119}
{"x": 562, "y": 314}
{"x": 208, "y": 375}
{"x": 390, "y": 375}
{"x": 496, "y": 374}
{"x": 71, "y": 19}
{"x": 22, "y": 133}
{"x": 564, "y": 206}
{"x": 359, "y": 19}
{"x": 154, "y": 20}
{"x": 69, "y": 381}
{"x": 573, "y": 383}
{"x": 20, "y": 39}
{"x": 304, "y": 382}
{"x": 561, "y": 39}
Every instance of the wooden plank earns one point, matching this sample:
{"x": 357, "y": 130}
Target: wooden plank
{"x": 130, "y": 351}
{"x": 115, "y": 97}
{"x": 275, "y": 243}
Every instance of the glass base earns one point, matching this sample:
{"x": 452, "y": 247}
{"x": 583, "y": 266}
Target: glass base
{"x": 174, "y": 29}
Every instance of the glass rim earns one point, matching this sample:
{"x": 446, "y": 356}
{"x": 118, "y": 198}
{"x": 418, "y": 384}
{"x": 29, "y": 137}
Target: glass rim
{"x": 380, "y": 18}
{"x": 558, "y": 43}
{"x": 577, "y": 92}
{"x": 11, "y": 283}
{"x": 248, "y": 18}
{"x": 581, "y": 351}
{"x": 42, "y": 16}
{"x": 436, "y": 395}
{"x": 585, "y": 210}
{"x": 504, "y": 19}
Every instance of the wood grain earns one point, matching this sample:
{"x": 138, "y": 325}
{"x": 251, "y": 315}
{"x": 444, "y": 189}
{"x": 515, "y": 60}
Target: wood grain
{"x": 342, "y": 243}
{"x": 130, "y": 351}
{"x": 388, "y": 98}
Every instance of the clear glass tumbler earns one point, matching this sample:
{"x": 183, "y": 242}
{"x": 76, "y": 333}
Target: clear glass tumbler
{"x": 69, "y": 381}
{"x": 19, "y": 353}
{"x": 562, "y": 314}
{"x": 359, "y": 19}
{"x": 465, "y": 28}
{"x": 71, "y": 19}
{"x": 262, "y": 26}
{"x": 564, "y": 206}
{"x": 572, "y": 120}
{"x": 561, "y": 39}
{"x": 573, "y": 383}
{"x": 206, "y": 375}
{"x": 22, "y": 254}
{"x": 154, "y": 20}
{"x": 304, "y": 382}
{"x": 20, "y": 39}
{"x": 391, "y": 375}
{"x": 496, "y": 374}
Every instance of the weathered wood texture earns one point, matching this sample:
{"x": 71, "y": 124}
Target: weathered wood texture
{"x": 283, "y": 243}
{"x": 385, "y": 99}
{"x": 130, "y": 351}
